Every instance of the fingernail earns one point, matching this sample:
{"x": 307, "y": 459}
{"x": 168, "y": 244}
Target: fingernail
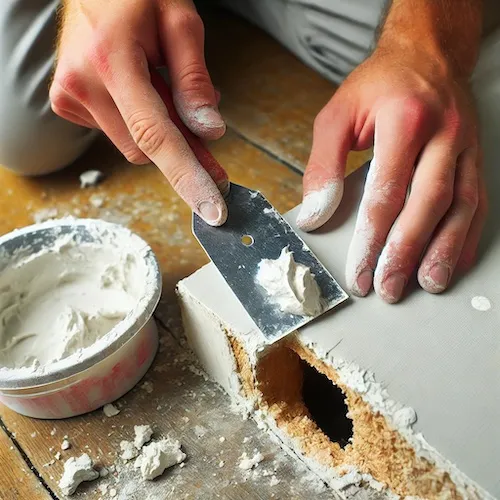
{"x": 438, "y": 278}
{"x": 318, "y": 206}
{"x": 209, "y": 212}
{"x": 392, "y": 287}
{"x": 209, "y": 117}
{"x": 363, "y": 283}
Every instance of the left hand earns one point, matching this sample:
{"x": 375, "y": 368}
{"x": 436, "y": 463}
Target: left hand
{"x": 422, "y": 121}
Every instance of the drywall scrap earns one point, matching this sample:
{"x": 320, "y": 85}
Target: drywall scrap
{"x": 408, "y": 386}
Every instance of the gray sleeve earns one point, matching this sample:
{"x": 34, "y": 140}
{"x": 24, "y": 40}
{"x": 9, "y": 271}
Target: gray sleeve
{"x": 33, "y": 140}
{"x": 330, "y": 36}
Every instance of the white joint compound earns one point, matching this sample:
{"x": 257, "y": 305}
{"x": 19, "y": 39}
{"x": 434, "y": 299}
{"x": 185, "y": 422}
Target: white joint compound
{"x": 290, "y": 285}
{"x": 248, "y": 463}
{"x": 61, "y": 301}
{"x": 90, "y": 178}
{"x": 110, "y": 410}
{"x": 158, "y": 456}
{"x": 143, "y": 434}
{"x": 481, "y": 303}
{"x": 129, "y": 451}
{"x": 76, "y": 471}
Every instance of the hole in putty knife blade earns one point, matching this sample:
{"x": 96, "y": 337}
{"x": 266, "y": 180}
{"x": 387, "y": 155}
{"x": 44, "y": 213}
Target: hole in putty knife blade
{"x": 247, "y": 240}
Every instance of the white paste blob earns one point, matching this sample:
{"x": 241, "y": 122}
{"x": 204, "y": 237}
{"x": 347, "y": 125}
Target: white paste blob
{"x": 481, "y": 303}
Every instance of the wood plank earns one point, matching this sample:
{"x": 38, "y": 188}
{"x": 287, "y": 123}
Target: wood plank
{"x": 268, "y": 95}
{"x": 140, "y": 198}
{"x": 17, "y": 480}
{"x": 186, "y": 406}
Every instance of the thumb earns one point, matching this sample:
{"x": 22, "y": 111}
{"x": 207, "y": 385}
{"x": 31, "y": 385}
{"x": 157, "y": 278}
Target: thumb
{"x": 182, "y": 40}
{"x": 324, "y": 176}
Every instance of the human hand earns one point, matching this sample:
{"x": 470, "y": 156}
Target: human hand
{"x": 420, "y": 116}
{"x": 102, "y": 80}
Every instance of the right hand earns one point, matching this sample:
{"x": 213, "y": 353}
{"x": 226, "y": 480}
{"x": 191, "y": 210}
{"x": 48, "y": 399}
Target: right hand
{"x": 102, "y": 80}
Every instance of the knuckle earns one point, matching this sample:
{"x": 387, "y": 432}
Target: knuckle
{"x": 147, "y": 133}
{"x": 97, "y": 53}
{"x": 186, "y": 20}
{"x": 468, "y": 197}
{"x": 179, "y": 178}
{"x": 58, "y": 99}
{"x": 319, "y": 121}
{"x": 59, "y": 111}
{"x": 440, "y": 196}
{"x": 72, "y": 82}
{"x": 454, "y": 124}
{"x": 415, "y": 111}
{"x": 194, "y": 76}
{"x": 133, "y": 154}
{"x": 391, "y": 192}
{"x": 323, "y": 118}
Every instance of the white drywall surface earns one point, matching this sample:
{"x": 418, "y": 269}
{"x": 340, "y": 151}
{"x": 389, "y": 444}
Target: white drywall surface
{"x": 435, "y": 353}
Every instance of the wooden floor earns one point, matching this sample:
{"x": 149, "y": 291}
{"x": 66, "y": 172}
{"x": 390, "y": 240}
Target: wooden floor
{"x": 269, "y": 100}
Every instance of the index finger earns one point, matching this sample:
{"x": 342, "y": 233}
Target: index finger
{"x": 126, "y": 75}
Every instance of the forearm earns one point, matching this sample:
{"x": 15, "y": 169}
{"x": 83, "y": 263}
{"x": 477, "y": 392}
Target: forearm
{"x": 449, "y": 29}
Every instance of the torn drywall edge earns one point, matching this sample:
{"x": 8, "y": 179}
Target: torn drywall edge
{"x": 398, "y": 416}
{"x": 228, "y": 378}
{"x": 348, "y": 483}
{"x": 344, "y": 480}
{"x": 355, "y": 378}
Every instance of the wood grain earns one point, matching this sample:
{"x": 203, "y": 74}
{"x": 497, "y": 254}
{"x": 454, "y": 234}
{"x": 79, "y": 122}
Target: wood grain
{"x": 17, "y": 480}
{"x": 181, "y": 404}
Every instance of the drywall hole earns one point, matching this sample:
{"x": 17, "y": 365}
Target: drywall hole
{"x": 305, "y": 403}
{"x": 247, "y": 240}
{"x": 326, "y": 405}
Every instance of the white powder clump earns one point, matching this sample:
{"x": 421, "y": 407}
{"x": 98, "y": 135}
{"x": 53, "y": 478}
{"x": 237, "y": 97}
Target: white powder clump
{"x": 404, "y": 418}
{"x": 91, "y": 178}
{"x": 129, "y": 451}
{"x": 290, "y": 285}
{"x": 65, "y": 445}
{"x": 110, "y": 410}
{"x": 143, "y": 434}
{"x": 158, "y": 456}
{"x": 199, "y": 431}
{"x": 274, "y": 481}
{"x": 247, "y": 463}
{"x": 76, "y": 471}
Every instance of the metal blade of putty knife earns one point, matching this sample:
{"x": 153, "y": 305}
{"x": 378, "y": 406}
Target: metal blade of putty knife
{"x": 254, "y": 231}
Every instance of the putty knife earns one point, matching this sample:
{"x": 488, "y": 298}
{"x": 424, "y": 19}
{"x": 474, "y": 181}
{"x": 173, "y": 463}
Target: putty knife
{"x": 254, "y": 231}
